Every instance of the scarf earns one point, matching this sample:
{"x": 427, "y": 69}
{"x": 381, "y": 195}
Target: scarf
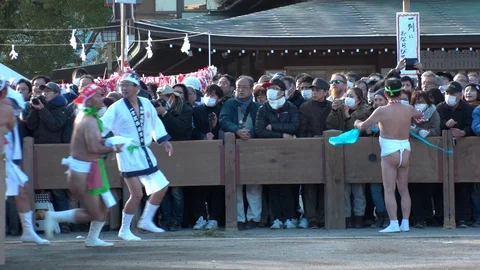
{"x": 243, "y": 103}
{"x": 100, "y": 162}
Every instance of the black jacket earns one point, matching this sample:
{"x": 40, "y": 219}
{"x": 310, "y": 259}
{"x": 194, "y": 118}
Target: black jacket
{"x": 48, "y": 123}
{"x": 297, "y": 99}
{"x": 201, "y": 125}
{"x": 462, "y": 114}
{"x": 283, "y": 120}
{"x": 70, "y": 115}
{"x": 179, "y": 125}
{"x": 313, "y": 118}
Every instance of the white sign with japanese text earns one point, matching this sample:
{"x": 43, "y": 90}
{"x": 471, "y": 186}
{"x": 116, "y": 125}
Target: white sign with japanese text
{"x": 408, "y": 38}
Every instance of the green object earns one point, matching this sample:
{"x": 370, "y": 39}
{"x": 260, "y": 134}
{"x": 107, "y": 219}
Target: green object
{"x": 101, "y": 163}
{"x": 132, "y": 148}
{"x": 391, "y": 91}
{"x": 105, "y": 184}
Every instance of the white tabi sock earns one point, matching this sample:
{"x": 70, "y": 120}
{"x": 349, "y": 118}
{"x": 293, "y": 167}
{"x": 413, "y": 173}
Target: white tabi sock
{"x": 52, "y": 218}
{"x": 125, "y": 233}
{"x": 405, "y": 227}
{"x": 29, "y": 234}
{"x": 146, "y": 221}
{"x": 392, "y": 228}
{"x": 92, "y": 238}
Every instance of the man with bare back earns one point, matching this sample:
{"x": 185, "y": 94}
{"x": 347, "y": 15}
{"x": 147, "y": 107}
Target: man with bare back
{"x": 86, "y": 161}
{"x": 394, "y": 122}
{"x": 11, "y": 106}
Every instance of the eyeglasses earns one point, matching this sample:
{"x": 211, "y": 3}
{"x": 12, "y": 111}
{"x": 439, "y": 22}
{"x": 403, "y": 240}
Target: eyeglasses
{"x": 336, "y": 82}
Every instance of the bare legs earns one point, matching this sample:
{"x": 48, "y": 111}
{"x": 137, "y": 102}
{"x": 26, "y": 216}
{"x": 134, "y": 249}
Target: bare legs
{"x": 394, "y": 175}
{"x": 146, "y": 221}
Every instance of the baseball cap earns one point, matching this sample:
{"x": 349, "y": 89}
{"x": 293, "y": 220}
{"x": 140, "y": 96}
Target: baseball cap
{"x": 320, "y": 84}
{"x": 445, "y": 74}
{"x": 167, "y": 90}
{"x": 276, "y": 82}
{"x": 193, "y": 83}
{"x": 453, "y": 88}
{"x": 52, "y": 86}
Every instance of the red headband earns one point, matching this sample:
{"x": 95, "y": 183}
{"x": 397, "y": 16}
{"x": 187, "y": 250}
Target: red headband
{"x": 87, "y": 93}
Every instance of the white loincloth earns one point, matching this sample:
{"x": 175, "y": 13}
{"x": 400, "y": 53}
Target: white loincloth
{"x": 390, "y": 146}
{"x": 76, "y": 165}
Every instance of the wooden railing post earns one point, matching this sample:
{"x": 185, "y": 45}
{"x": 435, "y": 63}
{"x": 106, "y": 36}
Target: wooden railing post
{"x": 28, "y": 164}
{"x": 334, "y": 183}
{"x": 3, "y": 175}
{"x": 448, "y": 182}
{"x": 230, "y": 182}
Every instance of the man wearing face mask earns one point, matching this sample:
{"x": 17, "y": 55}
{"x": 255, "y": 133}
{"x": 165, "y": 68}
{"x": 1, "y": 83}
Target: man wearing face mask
{"x": 456, "y": 115}
{"x": 177, "y": 119}
{"x": 278, "y": 118}
{"x": 303, "y": 86}
{"x": 291, "y": 94}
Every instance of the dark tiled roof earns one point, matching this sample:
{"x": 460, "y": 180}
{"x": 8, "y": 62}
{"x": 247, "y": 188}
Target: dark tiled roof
{"x": 335, "y": 18}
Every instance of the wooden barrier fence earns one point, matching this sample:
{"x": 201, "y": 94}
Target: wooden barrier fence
{"x": 234, "y": 162}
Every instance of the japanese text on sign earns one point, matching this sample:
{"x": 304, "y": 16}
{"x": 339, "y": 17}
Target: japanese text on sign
{"x": 408, "y": 37}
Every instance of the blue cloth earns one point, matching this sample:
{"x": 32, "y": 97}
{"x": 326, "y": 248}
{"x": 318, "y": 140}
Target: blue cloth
{"x": 476, "y": 121}
{"x": 377, "y": 197}
{"x": 425, "y": 141}
{"x": 349, "y": 137}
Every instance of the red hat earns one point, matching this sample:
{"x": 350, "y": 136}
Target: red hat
{"x": 87, "y": 93}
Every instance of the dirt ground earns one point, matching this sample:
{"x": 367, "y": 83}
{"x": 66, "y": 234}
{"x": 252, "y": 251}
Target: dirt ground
{"x": 432, "y": 248}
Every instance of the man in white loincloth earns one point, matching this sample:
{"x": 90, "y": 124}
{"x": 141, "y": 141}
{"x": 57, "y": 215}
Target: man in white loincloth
{"x": 11, "y": 105}
{"x": 136, "y": 118}
{"x": 86, "y": 169}
{"x": 394, "y": 122}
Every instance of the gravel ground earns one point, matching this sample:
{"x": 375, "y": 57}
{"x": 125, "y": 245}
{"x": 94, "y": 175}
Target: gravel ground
{"x": 432, "y": 248}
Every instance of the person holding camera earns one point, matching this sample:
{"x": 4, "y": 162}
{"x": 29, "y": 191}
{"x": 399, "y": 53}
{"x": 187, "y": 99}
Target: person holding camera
{"x": 47, "y": 120}
{"x": 177, "y": 118}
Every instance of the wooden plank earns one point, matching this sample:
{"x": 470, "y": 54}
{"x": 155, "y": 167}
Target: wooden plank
{"x": 467, "y": 160}
{"x": 3, "y": 175}
{"x": 448, "y": 183}
{"x": 28, "y": 169}
{"x": 193, "y": 163}
{"x": 335, "y": 183}
{"x": 277, "y": 161}
{"x": 230, "y": 182}
{"x": 359, "y": 169}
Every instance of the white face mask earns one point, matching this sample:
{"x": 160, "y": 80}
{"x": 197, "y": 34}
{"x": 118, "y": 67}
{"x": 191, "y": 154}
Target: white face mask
{"x": 209, "y": 101}
{"x": 404, "y": 102}
{"x": 278, "y": 103}
{"x": 307, "y": 94}
{"x": 272, "y": 94}
{"x": 420, "y": 107}
{"x": 350, "y": 102}
{"x": 76, "y": 81}
{"x": 102, "y": 111}
{"x": 451, "y": 100}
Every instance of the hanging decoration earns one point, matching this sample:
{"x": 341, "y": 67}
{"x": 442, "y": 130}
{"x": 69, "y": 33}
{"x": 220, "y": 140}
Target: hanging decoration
{"x": 205, "y": 76}
{"x": 186, "y": 45}
{"x": 13, "y": 54}
{"x": 149, "y": 46}
{"x": 83, "y": 56}
{"x": 73, "y": 40}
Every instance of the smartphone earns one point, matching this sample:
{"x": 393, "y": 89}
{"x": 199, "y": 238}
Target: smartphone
{"x": 410, "y": 63}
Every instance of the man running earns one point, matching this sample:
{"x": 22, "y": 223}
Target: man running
{"x": 136, "y": 118}
{"x": 11, "y": 105}
{"x": 394, "y": 122}
{"x": 85, "y": 166}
